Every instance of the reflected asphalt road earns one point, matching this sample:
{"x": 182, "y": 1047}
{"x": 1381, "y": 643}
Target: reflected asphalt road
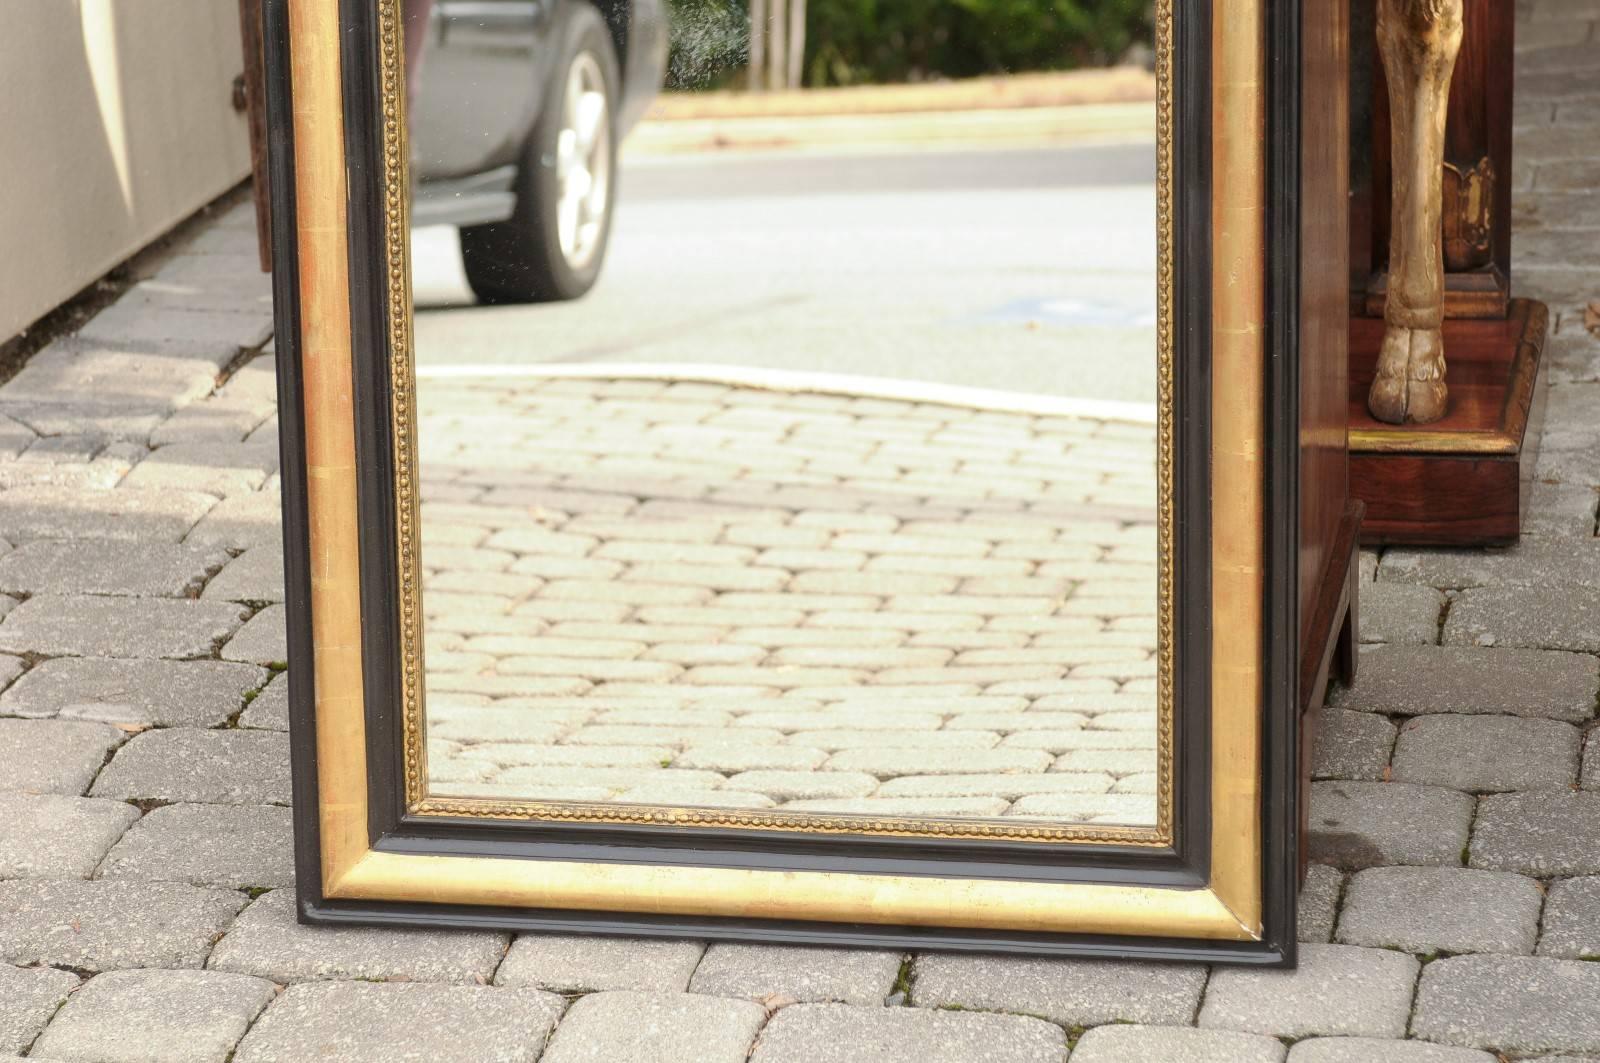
{"x": 1029, "y": 270}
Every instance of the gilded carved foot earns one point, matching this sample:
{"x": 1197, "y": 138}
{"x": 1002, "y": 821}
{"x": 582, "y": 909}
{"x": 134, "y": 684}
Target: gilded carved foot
{"x": 1410, "y": 382}
{"x": 1418, "y": 41}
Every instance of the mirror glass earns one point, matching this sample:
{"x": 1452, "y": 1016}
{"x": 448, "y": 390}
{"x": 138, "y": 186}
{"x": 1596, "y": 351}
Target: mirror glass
{"x": 787, "y": 405}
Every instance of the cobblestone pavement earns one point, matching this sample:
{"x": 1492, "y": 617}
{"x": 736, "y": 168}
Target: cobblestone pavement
{"x": 692, "y": 594}
{"x": 144, "y": 842}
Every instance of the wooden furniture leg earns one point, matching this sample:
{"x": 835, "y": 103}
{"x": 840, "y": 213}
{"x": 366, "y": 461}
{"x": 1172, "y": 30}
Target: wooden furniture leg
{"x": 1418, "y": 41}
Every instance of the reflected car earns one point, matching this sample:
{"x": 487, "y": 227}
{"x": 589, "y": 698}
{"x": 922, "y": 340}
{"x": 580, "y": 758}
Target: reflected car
{"x": 517, "y": 109}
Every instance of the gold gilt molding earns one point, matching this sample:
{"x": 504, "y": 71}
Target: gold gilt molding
{"x": 351, "y": 870}
{"x": 403, "y": 391}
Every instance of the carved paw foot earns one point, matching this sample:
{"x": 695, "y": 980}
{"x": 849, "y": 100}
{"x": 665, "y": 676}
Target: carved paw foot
{"x": 1410, "y": 382}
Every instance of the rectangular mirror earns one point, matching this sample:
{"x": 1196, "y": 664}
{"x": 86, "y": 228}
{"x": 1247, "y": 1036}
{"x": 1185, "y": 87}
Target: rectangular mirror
{"x": 888, "y": 515}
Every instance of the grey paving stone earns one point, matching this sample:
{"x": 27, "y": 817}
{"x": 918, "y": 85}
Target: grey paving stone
{"x": 155, "y": 1016}
{"x": 148, "y": 692}
{"x": 1174, "y": 1044}
{"x": 1439, "y": 909}
{"x": 109, "y": 374}
{"x": 232, "y": 767}
{"x": 243, "y": 846}
{"x": 108, "y": 567}
{"x": 1418, "y": 680}
{"x": 39, "y": 467}
{"x": 1572, "y": 920}
{"x": 1372, "y": 1050}
{"x": 217, "y": 419}
{"x": 54, "y": 756}
{"x": 266, "y": 434}
{"x": 359, "y": 1022}
{"x": 1070, "y": 992}
{"x": 1562, "y": 617}
{"x": 1532, "y": 563}
{"x": 1590, "y": 778}
{"x": 110, "y": 419}
{"x": 15, "y": 437}
{"x": 267, "y": 942}
{"x": 838, "y": 1033}
{"x": 1540, "y": 834}
{"x": 179, "y": 285}
{"x": 1566, "y": 464}
{"x": 215, "y": 468}
{"x": 583, "y": 964}
{"x": 1487, "y": 754}
{"x": 59, "y": 512}
{"x": 1512, "y": 1004}
{"x": 91, "y": 626}
{"x": 28, "y": 997}
{"x": 106, "y": 925}
{"x": 63, "y": 450}
{"x": 1400, "y": 613}
{"x": 808, "y": 975}
{"x": 629, "y": 1027}
{"x": 1558, "y": 250}
{"x": 254, "y": 576}
{"x": 52, "y": 836}
{"x": 1367, "y": 562}
{"x": 1319, "y": 902}
{"x": 241, "y": 521}
{"x": 1349, "y": 745}
{"x": 264, "y": 639}
{"x": 1560, "y": 510}
{"x": 212, "y": 336}
{"x": 1336, "y": 991}
{"x": 1370, "y": 824}
{"x": 269, "y": 710}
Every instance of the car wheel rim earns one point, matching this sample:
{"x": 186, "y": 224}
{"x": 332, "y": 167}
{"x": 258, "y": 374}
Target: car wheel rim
{"x": 583, "y": 162}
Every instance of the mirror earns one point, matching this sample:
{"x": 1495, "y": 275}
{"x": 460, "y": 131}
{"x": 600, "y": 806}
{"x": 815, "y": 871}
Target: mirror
{"x": 873, "y": 512}
{"x": 790, "y": 451}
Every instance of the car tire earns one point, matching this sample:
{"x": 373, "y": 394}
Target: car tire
{"x": 553, "y": 245}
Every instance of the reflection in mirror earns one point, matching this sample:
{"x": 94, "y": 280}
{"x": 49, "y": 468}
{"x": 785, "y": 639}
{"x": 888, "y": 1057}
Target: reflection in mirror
{"x": 794, "y": 449}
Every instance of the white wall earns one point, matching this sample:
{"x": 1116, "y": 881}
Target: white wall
{"x": 116, "y": 122}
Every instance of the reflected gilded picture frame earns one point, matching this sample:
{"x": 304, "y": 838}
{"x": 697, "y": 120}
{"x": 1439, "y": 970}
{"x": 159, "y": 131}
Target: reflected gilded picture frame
{"x": 1255, "y": 595}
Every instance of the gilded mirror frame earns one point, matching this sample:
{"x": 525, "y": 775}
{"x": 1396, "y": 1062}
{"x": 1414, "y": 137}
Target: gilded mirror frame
{"x": 1215, "y": 879}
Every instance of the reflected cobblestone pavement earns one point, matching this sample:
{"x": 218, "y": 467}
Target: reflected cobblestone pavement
{"x": 662, "y": 592}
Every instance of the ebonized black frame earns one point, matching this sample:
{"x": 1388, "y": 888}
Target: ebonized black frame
{"x": 1185, "y": 865}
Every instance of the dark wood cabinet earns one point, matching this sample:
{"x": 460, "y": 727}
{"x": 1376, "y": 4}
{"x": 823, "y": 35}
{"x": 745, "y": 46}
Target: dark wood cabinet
{"x": 1329, "y": 517}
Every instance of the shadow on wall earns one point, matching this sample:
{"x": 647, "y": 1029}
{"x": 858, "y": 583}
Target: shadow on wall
{"x": 117, "y": 122}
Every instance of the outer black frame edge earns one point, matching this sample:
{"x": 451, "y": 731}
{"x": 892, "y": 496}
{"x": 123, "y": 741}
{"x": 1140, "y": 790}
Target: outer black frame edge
{"x": 292, "y": 452}
{"x": 1281, "y": 587}
{"x": 1186, "y": 865}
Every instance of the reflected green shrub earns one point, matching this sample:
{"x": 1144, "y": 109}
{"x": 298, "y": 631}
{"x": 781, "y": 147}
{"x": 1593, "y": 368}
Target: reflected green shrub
{"x": 851, "y": 42}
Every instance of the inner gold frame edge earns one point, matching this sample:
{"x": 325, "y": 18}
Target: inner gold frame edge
{"x": 1229, "y": 910}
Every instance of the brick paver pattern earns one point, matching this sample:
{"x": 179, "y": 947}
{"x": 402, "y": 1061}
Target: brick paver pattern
{"x": 144, "y": 850}
{"x": 694, "y": 594}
